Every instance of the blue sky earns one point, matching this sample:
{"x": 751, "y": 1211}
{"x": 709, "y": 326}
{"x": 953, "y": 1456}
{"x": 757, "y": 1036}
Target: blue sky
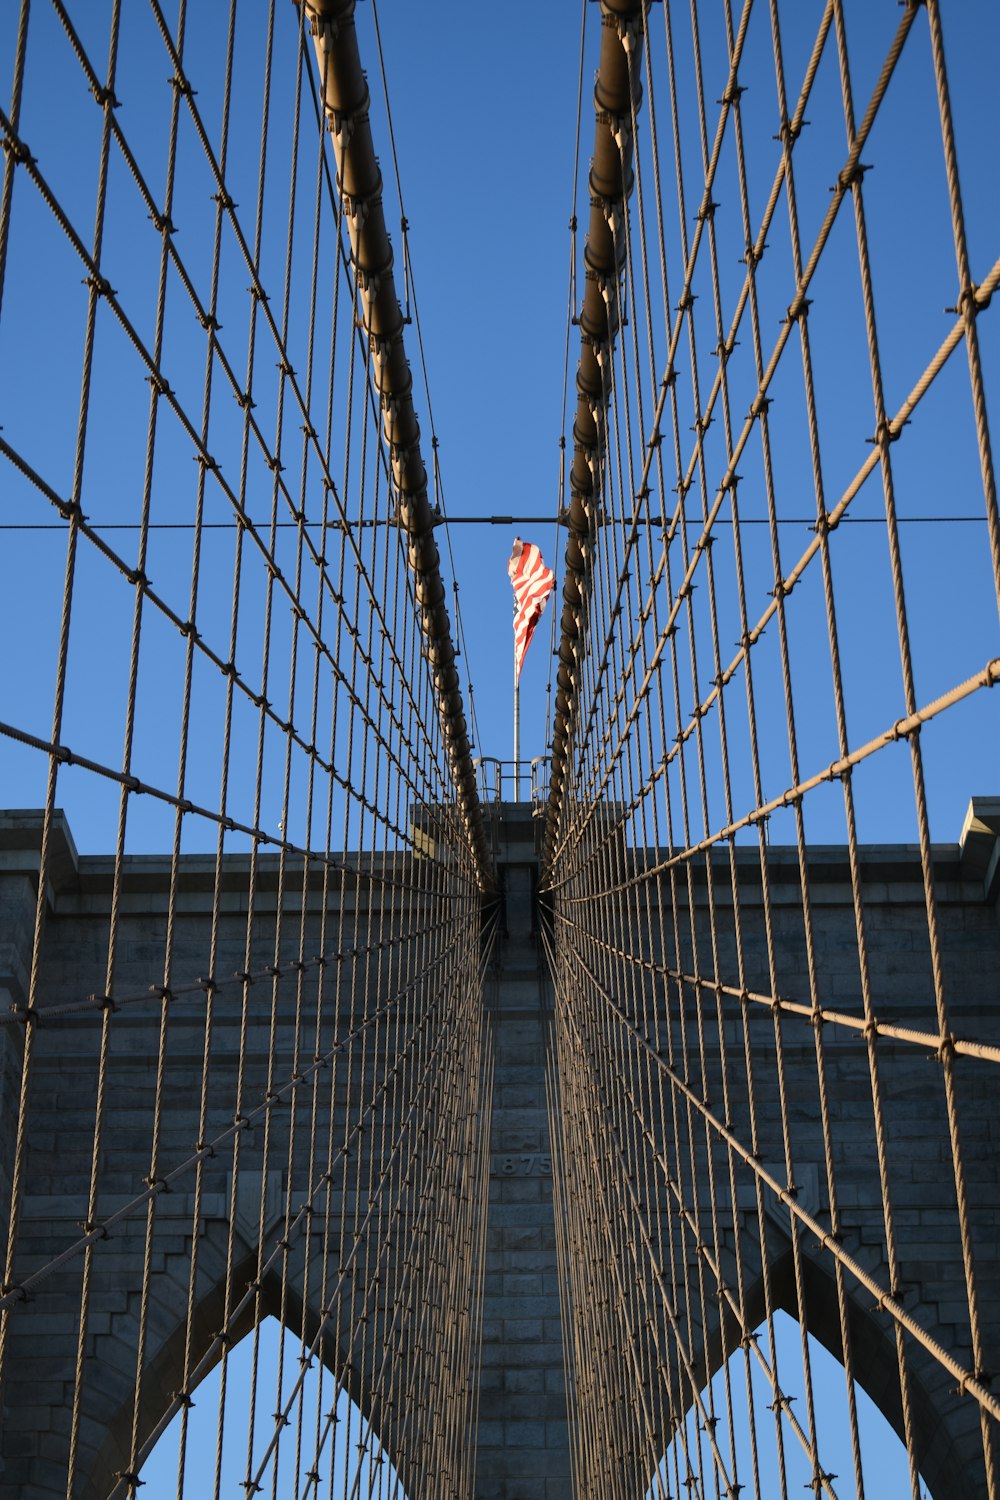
{"x": 484, "y": 117}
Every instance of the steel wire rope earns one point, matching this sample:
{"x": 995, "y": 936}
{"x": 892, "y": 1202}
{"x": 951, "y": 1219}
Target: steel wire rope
{"x": 608, "y": 896}
{"x": 703, "y": 416}
{"x": 411, "y": 291}
{"x": 221, "y": 1339}
{"x": 208, "y": 321}
{"x": 398, "y": 756}
{"x": 884, "y": 1298}
{"x": 17, "y": 1175}
{"x": 242, "y": 396}
{"x": 703, "y": 1251}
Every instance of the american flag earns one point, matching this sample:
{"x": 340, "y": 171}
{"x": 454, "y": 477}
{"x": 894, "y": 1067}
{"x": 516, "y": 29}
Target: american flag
{"x": 533, "y": 583}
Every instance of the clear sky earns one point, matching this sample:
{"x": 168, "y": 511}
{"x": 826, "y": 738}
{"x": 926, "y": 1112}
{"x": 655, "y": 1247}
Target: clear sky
{"x": 485, "y": 143}
{"x": 484, "y": 114}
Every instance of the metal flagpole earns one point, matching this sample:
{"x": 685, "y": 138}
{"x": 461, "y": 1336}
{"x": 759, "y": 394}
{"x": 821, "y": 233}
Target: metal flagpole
{"x": 517, "y": 729}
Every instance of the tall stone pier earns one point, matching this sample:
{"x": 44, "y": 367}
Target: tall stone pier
{"x": 523, "y": 1436}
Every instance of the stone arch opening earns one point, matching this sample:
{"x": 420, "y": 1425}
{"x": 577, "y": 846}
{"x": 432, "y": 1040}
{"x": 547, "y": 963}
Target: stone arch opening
{"x": 938, "y": 1416}
{"x": 351, "y": 1458}
{"x": 946, "y": 1444}
{"x": 755, "y": 1426}
{"x": 163, "y": 1377}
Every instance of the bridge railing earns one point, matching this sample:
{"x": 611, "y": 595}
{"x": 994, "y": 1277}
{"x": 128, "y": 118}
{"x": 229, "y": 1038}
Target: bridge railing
{"x": 506, "y": 780}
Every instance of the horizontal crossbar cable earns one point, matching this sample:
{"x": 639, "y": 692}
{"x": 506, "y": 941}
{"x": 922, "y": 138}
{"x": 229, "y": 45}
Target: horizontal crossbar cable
{"x": 366, "y": 521}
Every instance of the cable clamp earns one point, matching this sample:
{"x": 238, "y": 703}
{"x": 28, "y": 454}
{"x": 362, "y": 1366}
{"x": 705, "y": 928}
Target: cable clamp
{"x": 850, "y": 175}
{"x": 789, "y": 131}
{"x": 629, "y": 33}
{"x": 884, "y": 434}
{"x": 16, "y": 151}
{"x": 902, "y": 731}
{"x": 968, "y": 302}
{"x": 734, "y": 92}
{"x": 340, "y": 123}
{"x": 128, "y": 1476}
{"x": 105, "y": 1002}
{"x": 357, "y": 205}
{"x": 369, "y": 281}
{"x": 946, "y": 1048}
{"x": 101, "y": 285}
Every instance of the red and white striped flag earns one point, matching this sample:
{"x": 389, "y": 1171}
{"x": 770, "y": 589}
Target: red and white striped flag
{"x": 533, "y": 583}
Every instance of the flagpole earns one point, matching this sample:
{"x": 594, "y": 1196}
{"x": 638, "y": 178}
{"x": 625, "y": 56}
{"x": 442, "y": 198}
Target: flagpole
{"x": 517, "y": 730}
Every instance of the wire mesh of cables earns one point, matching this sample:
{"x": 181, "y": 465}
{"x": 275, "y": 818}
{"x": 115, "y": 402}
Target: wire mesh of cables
{"x": 249, "y": 1077}
{"x": 775, "y": 1061}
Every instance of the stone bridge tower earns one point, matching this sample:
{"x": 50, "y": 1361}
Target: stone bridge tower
{"x": 526, "y": 1344}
